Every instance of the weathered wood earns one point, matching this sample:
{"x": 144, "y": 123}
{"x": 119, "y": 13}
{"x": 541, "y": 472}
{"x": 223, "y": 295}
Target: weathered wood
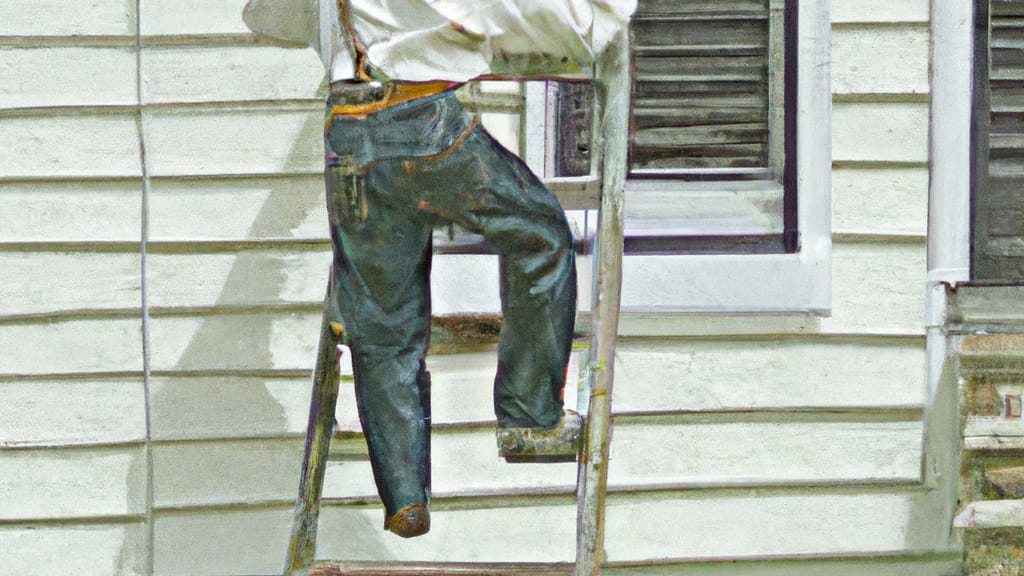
{"x": 667, "y": 114}
{"x": 700, "y": 135}
{"x": 748, "y": 67}
{"x": 998, "y": 242}
{"x": 593, "y": 469}
{"x": 1007, "y": 8}
{"x": 991, "y": 514}
{"x": 302, "y": 542}
{"x": 700, "y": 70}
{"x": 717, "y": 157}
{"x": 680, "y": 104}
{"x": 662, "y": 7}
{"x": 439, "y": 569}
{"x": 696, "y": 88}
{"x": 740, "y": 29}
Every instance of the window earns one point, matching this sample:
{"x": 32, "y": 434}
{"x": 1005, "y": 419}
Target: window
{"x": 709, "y": 116}
{"x": 997, "y": 254}
{"x": 727, "y": 201}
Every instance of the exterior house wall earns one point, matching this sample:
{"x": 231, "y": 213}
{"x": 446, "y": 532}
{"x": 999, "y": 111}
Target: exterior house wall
{"x": 161, "y": 305}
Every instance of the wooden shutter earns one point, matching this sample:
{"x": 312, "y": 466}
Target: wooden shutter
{"x": 701, "y": 85}
{"x": 999, "y": 136}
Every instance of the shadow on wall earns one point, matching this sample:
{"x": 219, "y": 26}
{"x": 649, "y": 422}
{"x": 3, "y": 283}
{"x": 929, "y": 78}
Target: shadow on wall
{"x": 236, "y": 391}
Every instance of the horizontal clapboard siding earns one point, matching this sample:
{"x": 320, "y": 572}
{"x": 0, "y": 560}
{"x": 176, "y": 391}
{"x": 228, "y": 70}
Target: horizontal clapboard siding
{"x": 244, "y": 541}
{"x": 71, "y": 212}
{"x": 651, "y": 454}
{"x": 892, "y": 60}
{"x": 700, "y": 88}
{"x": 55, "y": 483}
{"x": 642, "y": 527}
{"x": 88, "y": 548}
{"x": 82, "y": 145}
{"x": 657, "y": 453}
{"x": 61, "y": 20}
{"x": 30, "y": 80}
{"x": 792, "y": 449}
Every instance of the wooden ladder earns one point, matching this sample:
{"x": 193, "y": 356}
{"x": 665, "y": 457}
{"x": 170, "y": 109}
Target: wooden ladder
{"x": 612, "y": 87}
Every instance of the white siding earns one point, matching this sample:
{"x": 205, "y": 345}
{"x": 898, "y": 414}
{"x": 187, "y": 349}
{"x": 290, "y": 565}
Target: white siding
{"x": 30, "y": 80}
{"x": 101, "y": 412}
{"x": 43, "y": 484}
{"x": 790, "y": 445}
{"x": 72, "y": 402}
{"x": 114, "y": 549}
{"x": 885, "y": 201}
{"x": 880, "y": 11}
{"x": 72, "y": 211}
{"x": 868, "y": 60}
{"x": 197, "y": 74}
{"x": 71, "y": 347}
{"x": 64, "y": 145}
{"x": 192, "y": 17}
{"x": 879, "y": 131}
{"x": 216, "y": 142}
{"x": 67, "y": 18}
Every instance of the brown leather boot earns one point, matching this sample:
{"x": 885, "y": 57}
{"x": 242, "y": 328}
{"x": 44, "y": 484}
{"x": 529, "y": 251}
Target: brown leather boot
{"x": 411, "y": 521}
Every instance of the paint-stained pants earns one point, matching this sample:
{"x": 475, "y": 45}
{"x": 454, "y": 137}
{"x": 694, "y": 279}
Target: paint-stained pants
{"x": 392, "y": 176}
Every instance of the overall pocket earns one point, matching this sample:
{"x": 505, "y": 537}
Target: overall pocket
{"x": 346, "y": 198}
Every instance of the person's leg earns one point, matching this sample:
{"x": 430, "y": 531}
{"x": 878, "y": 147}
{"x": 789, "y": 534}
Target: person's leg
{"x": 381, "y": 288}
{"x": 538, "y": 288}
{"x": 486, "y": 189}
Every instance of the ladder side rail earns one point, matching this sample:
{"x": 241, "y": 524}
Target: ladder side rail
{"x": 322, "y": 405}
{"x": 613, "y": 84}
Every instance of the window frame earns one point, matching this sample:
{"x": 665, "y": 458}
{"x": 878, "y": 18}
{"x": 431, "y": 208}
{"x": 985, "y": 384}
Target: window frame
{"x": 950, "y": 142}
{"x": 797, "y": 282}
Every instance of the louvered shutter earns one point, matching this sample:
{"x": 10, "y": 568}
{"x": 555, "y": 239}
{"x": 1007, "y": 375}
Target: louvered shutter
{"x": 999, "y": 129}
{"x": 701, "y": 85}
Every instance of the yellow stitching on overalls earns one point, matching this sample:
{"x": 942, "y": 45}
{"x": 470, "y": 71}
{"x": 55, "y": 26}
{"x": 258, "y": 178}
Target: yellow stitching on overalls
{"x": 458, "y": 142}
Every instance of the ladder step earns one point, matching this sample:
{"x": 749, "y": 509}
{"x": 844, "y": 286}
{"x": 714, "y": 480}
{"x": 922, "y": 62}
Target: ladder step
{"x": 331, "y": 568}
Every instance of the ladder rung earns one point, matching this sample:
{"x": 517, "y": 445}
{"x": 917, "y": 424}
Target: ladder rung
{"x": 330, "y": 568}
{"x": 474, "y": 244}
{"x": 576, "y": 192}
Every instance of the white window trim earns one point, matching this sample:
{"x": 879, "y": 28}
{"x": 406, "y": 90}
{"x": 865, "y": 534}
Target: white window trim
{"x": 952, "y": 101}
{"x": 797, "y": 283}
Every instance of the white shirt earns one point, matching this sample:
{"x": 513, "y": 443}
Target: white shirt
{"x": 455, "y": 40}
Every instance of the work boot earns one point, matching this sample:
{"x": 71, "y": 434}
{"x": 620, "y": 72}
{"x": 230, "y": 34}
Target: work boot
{"x": 411, "y": 521}
{"x": 558, "y": 444}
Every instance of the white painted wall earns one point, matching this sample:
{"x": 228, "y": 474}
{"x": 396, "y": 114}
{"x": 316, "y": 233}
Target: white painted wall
{"x": 759, "y": 439}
